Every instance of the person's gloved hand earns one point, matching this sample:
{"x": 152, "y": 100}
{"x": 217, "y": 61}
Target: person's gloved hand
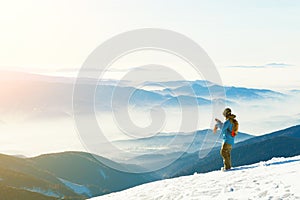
{"x": 215, "y": 129}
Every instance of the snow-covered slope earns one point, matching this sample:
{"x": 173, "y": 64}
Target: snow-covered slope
{"x": 275, "y": 179}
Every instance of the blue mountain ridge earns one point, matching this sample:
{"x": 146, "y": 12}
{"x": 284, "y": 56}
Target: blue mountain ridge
{"x": 38, "y": 96}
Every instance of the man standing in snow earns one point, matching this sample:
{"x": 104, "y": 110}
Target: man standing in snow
{"x": 227, "y": 130}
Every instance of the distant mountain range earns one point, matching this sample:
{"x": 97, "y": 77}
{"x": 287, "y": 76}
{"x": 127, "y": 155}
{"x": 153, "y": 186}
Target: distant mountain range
{"x": 30, "y": 97}
{"x": 183, "y": 93}
{"x": 78, "y": 175}
{"x": 40, "y": 95}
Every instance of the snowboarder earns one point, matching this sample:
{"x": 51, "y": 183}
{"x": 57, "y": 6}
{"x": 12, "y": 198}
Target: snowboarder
{"x": 228, "y": 131}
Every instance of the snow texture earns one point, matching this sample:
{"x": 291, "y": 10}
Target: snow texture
{"x": 79, "y": 189}
{"x": 277, "y": 178}
{"x": 49, "y": 193}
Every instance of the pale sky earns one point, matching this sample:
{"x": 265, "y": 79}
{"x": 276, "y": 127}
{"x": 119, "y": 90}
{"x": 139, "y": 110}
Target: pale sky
{"x": 58, "y": 35}
{"x": 253, "y": 43}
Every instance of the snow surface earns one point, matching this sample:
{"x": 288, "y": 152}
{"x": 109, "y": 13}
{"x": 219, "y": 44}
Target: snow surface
{"x": 79, "y": 189}
{"x": 277, "y": 178}
{"x": 49, "y": 193}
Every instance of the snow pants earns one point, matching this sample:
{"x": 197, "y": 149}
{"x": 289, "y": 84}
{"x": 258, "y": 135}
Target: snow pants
{"x": 225, "y": 153}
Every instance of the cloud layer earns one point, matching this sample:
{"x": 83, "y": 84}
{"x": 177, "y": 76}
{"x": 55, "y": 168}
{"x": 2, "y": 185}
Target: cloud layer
{"x": 268, "y": 65}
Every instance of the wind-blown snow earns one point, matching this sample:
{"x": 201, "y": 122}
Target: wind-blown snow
{"x": 274, "y": 179}
{"x": 79, "y": 189}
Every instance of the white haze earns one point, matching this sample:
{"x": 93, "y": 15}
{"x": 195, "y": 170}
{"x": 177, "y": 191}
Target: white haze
{"x": 37, "y": 136}
{"x": 28, "y": 132}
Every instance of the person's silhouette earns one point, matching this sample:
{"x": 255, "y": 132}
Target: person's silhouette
{"x": 228, "y": 139}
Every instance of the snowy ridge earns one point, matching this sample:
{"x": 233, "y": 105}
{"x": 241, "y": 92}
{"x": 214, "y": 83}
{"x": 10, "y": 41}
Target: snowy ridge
{"x": 79, "y": 189}
{"x": 42, "y": 191}
{"x": 277, "y": 178}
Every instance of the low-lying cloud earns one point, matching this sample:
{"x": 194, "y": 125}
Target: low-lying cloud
{"x": 269, "y": 65}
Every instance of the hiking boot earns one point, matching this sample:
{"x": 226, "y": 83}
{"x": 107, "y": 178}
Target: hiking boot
{"x": 223, "y": 169}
